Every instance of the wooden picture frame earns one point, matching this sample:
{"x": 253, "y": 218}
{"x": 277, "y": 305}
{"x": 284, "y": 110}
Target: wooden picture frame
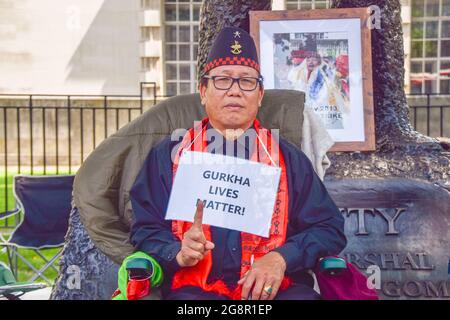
{"x": 327, "y": 54}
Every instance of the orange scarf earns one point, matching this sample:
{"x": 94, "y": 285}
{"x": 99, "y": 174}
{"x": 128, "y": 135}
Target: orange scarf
{"x": 252, "y": 245}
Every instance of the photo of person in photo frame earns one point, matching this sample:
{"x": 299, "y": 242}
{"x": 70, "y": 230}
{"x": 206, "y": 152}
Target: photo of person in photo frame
{"x": 317, "y": 64}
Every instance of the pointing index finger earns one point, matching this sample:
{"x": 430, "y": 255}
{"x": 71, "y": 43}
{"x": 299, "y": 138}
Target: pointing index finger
{"x": 198, "y": 217}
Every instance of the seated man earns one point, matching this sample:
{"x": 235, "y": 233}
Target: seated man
{"x": 207, "y": 262}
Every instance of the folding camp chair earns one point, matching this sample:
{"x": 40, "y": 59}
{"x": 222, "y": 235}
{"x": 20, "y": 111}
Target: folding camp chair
{"x": 5, "y": 215}
{"x": 45, "y": 204}
{"x": 10, "y": 288}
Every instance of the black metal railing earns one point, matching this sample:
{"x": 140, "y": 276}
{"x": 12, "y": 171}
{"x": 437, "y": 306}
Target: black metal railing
{"x": 53, "y": 133}
{"x": 430, "y": 113}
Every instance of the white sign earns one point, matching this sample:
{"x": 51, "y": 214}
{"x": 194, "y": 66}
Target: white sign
{"x": 238, "y": 194}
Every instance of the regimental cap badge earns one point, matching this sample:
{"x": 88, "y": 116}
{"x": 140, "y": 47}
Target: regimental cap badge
{"x": 236, "y": 48}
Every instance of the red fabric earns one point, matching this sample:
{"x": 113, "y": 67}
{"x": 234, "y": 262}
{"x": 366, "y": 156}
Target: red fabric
{"x": 138, "y": 288}
{"x": 342, "y": 65}
{"x": 252, "y": 245}
{"x": 351, "y": 284}
{"x": 116, "y": 293}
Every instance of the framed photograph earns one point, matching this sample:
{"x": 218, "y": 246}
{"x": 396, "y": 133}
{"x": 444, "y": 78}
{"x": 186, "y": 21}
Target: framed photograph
{"x": 326, "y": 54}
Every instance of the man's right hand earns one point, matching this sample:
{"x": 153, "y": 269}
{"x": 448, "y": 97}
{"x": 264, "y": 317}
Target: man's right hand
{"x": 194, "y": 246}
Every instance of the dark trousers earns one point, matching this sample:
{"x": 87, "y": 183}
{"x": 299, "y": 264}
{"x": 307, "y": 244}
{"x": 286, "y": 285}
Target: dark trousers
{"x": 294, "y": 292}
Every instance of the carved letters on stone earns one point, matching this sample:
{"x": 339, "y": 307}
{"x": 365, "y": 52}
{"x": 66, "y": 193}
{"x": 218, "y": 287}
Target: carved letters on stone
{"x": 391, "y": 260}
{"x": 420, "y": 285}
{"x": 416, "y": 289}
{"x": 384, "y": 213}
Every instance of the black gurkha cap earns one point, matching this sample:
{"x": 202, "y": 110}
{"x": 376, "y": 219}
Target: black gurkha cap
{"x": 232, "y": 46}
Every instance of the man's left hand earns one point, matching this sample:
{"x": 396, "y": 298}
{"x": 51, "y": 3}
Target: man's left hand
{"x": 264, "y": 277}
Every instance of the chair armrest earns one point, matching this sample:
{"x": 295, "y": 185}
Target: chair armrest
{"x": 332, "y": 265}
{"x": 21, "y": 287}
{"x": 7, "y": 214}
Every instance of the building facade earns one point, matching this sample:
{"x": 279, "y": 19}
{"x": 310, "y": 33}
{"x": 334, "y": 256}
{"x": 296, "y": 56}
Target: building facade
{"x": 429, "y": 56}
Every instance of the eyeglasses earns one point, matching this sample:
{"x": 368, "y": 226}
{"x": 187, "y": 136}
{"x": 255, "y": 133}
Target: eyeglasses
{"x": 244, "y": 83}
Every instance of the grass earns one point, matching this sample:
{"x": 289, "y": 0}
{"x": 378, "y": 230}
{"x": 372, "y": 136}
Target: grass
{"x": 6, "y": 226}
